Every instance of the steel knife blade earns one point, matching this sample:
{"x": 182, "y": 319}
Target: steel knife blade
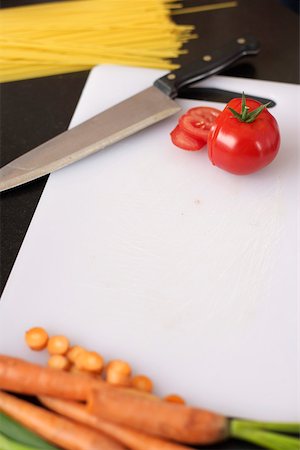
{"x": 219, "y": 95}
{"x": 124, "y": 119}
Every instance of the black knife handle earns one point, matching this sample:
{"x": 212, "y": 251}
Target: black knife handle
{"x": 207, "y": 64}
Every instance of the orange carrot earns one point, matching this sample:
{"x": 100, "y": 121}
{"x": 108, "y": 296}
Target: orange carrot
{"x": 128, "y": 407}
{"x": 139, "y": 393}
{"x": 54, "y": 428}
{"x": 23, "y": 377}
{"x": 133, "y": 439}
{"x": 168, "y": 420}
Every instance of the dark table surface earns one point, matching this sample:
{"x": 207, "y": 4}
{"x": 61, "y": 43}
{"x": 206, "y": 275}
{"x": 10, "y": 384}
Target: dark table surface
{"x": 33, "y": 111}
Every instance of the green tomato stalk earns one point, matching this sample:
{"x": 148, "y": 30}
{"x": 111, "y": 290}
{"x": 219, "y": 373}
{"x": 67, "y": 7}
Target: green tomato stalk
{"x": 245, "y": 115}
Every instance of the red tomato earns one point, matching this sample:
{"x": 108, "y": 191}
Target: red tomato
{"x": 198, "y": 121}
{"x": 193, "y": 128}
{"x": 243, "y": 147}
{"x": 183, "y": 140}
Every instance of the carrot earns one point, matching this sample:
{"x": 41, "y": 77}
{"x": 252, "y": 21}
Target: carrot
{"x": 133, "y": 439}
{"x": 135, "y": 409}
{"x": 23, "y": 377}
{"x": 139, "y": 393}
{"x": 168, "y": 420}
{"x": 54, "y": 428}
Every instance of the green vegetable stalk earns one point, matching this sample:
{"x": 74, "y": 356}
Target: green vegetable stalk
{"x": 268, "y": 435}
{"x": 10, "y": 429}
{"x": 9, "y": 444}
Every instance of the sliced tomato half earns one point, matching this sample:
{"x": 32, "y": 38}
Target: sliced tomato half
{"x": 185, "y": 141}
{"x": 198, "y": 121}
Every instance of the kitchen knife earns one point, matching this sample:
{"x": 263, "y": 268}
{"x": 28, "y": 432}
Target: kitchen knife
{"x": 124, "y": 119}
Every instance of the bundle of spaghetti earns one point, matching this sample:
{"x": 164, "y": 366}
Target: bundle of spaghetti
{"x": 75, "y": 35}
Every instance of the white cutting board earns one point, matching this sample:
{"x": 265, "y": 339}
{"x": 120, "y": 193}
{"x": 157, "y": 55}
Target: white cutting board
{"x": 149, "y": 253}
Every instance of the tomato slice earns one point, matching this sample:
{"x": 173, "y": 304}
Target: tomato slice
{"x": 185, "y": 141}
{"x": 198, "y": 121}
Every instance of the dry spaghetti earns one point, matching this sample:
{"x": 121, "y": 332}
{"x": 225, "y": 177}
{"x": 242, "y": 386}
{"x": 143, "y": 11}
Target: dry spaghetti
{"x": 75, "y": 35}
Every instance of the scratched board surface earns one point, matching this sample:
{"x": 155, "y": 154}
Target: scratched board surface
{"x": 149, "y": 253}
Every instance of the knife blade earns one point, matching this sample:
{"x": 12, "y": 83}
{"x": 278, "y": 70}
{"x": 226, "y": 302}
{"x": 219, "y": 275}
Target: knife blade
{"x": 124, "y": 119}
{"x": 219, "y": 95}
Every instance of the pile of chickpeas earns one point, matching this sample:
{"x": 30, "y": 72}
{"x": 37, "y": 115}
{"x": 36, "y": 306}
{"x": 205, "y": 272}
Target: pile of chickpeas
{"x": 63, "y": 356}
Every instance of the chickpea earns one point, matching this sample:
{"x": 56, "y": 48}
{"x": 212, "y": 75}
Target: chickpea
{"x": 79, "y": 360}
{"x": 142, "y": 383}
{"x": 117, "y": 378}
{"x": 74, "y": 369}
{"x": 58, "y": 362}
{"x": 58, "y": 345}
{"x": 89, "y": 361}
{"x": 119, "y": 366}
{"x": 174, "y": 398}
{"x": 118, "y": 373}
{"x": 36, "y": 338}
{"x": 74, "y": 352}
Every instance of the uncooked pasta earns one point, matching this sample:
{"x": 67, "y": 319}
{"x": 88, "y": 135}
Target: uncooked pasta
{"x": 68, "y": 36}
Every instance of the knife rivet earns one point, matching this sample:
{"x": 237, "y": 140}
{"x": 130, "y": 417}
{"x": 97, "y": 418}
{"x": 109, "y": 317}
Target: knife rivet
{"x": 241, "y": 40}
{"x": 171, "y": 76}
{"x": 207, "y": 58}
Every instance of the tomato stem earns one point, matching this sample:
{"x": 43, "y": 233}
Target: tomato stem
{"x": 245, "y": 115}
